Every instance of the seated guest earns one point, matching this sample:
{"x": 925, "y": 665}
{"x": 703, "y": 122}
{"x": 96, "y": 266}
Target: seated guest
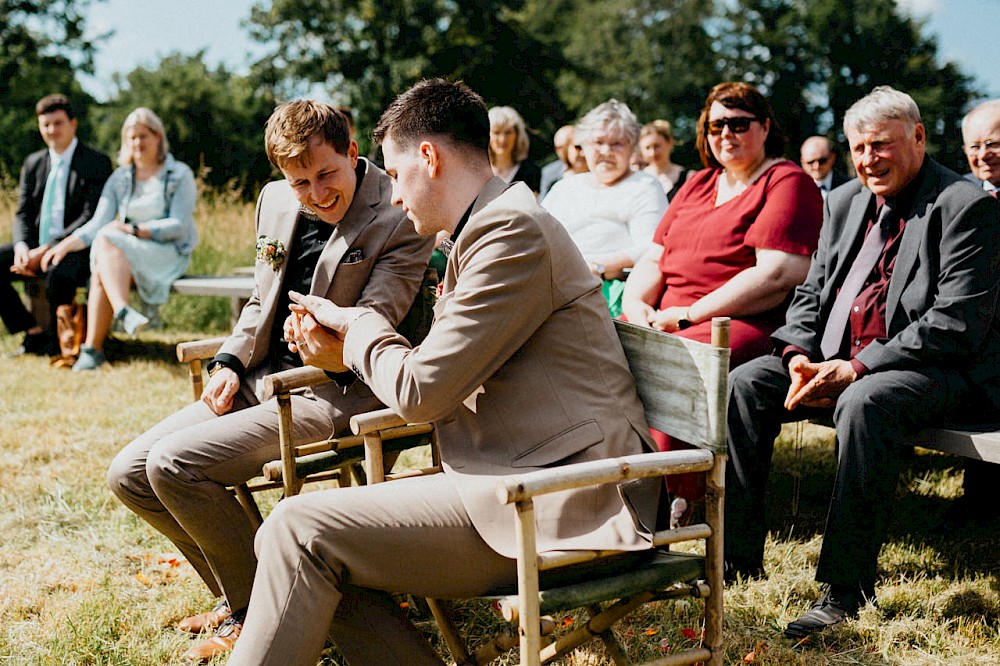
{"x": 57, "y": 192}
{"x": 817, "y": 159}
{"x": 656, "y": 141}
{"x": 981, "y": 139}
{"x": 142, "y": 232}
{"x": 327, "y": 229}
{"x": 893, "y": 330}
{"x": 734, "y": 243}
{"x": 509, "y": 144}
{"x": 556, "y": 169}
{"x": 520, "y": 314}
{"x": 611, "y": 211}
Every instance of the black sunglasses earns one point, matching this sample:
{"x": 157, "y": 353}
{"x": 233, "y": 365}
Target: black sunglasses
{"x": 737, "y": 125}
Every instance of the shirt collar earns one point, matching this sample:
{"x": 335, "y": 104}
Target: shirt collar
{"x": 67, "y": 155}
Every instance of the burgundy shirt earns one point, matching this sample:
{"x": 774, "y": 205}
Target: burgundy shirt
{"x": 867, "y": 319}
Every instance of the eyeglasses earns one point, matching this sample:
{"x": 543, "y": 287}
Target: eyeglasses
{"x": 601, "y": 142}
{"x": 819, "y": 161}
{"x": 990, "y": 146}
{"x": 737, "y": 125}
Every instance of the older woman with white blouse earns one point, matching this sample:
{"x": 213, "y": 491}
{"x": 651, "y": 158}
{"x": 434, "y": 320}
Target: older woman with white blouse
{"x": 611, "y": 211}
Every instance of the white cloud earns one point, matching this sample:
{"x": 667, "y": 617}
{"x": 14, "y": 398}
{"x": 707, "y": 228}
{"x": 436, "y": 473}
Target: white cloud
{"x": 921, "y": 8}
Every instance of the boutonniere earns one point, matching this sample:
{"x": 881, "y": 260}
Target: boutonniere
{"x": 270, "y": 251}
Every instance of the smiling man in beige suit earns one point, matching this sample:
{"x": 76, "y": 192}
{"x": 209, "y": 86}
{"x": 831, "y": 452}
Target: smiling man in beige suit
{"x": 521, "y": 370}
{"x": 329, "y": 229}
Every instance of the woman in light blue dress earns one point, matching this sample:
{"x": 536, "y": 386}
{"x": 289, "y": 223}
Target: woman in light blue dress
{"x": 142, "y": 233}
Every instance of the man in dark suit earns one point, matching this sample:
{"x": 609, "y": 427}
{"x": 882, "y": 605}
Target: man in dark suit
{"x": 818, "y": 159}
{"x": 521, "y": 313}
{"x": 57, "y": 192}
{"x": 893, "y": 330}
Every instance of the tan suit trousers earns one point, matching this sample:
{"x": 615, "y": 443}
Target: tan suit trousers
{"x": 328, "y": 560}
{"x": 175, "y": 475}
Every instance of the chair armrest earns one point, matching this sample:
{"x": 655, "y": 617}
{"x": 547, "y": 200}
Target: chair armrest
{"x": 296, "y": 378}
{"x": 525, "y": 486}
{"x": 380, "y": 419}
{"x": 196, "y": 350}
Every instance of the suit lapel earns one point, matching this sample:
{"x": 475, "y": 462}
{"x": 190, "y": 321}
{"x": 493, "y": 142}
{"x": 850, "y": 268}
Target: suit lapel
{"x": 359, "y": 215}
{"x": 491, "y": 190}
{"x": 909, "y": 245}
{"x": 286, "y": 223}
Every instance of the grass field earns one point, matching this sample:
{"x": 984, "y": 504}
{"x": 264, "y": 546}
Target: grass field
{"x": 84, "y": 582}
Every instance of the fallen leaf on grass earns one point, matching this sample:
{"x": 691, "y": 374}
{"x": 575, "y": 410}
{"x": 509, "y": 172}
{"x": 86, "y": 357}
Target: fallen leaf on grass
{"x": 652, "y": 631}
{"x": 689, "y": 634}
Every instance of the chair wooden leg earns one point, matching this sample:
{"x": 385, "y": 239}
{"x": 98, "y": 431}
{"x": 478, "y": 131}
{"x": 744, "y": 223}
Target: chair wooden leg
{"x": 527, "y": 584}
{"x": 441, "y": 610}
{"x": 594, "y": 627}
{"x": 611, "y": 644}
{"x": 289, "y": 479}
{"x": 715, "y": 490}
{"x": 245, "y": 498}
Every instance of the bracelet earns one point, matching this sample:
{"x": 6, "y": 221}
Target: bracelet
{"x": 135, "y": 229}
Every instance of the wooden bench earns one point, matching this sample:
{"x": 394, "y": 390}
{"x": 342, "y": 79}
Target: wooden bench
{"x": 975, "y": 441}
{"x": 237, "y": 288}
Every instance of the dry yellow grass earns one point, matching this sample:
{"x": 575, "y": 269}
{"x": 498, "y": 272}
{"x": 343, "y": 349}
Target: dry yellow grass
{"x": 82, "y": 581}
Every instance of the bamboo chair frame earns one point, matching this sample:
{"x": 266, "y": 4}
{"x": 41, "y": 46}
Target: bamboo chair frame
{"x": 683, "y": 388}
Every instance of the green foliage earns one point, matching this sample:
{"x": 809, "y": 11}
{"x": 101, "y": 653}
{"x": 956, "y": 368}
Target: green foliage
{"x": 364, "y": 53}
{"x": 214, "y": 119}
{"x": 41, "y": 49}
{"x": 814, "y": 58}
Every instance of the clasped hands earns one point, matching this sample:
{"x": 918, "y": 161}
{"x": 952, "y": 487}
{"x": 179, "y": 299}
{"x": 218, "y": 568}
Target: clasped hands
{"x": 643, "y": 314}
{"x": 316, "y": 329}
{"x": 817, "y": 384}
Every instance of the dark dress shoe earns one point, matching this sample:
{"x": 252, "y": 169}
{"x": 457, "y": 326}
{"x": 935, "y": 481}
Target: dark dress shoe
{"x": 36, "y": 344}
{"x": 837, "y": 604}
{"x": 734, "y": 572}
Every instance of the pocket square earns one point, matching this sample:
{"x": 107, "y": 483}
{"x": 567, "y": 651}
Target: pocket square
{"x": 353, "y": 257}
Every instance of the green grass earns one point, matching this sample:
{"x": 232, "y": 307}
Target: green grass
{"x": 83, "y": 581}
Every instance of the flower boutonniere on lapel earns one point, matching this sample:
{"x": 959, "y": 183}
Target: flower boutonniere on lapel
{"x": 270, "y": 251}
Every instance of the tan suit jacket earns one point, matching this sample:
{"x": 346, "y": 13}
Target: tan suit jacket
{"x": 374, "y": 259}
{"x": 521, "y": 370}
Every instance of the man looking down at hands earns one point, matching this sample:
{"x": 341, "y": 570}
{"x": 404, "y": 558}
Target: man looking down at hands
{"x": 894, "y": 329}
{"x": 521, "y": 369}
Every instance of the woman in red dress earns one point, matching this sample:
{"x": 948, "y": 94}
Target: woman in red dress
{"x": 735, "y": 241}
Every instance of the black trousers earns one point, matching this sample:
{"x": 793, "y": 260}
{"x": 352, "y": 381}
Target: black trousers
{"x": 61, "y": 283}
{"x": 872, "y": 417}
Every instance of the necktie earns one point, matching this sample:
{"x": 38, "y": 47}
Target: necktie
{"x": 995, "y": 193}
{"x": 49, "y": 201}
{"x": 868, "y": 256}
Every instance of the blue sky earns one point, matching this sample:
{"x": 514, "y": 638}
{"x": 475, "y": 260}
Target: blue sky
{"x": 967, "y": 32}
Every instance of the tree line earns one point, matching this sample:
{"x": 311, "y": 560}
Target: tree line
{"x": 550, "y": 59}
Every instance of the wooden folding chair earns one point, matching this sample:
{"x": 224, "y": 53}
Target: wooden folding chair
{"x": 683, "y": 388}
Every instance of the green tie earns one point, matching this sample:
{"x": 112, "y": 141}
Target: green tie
{"x": 49, "y": 201}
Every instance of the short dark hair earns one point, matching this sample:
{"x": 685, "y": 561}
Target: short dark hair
{"x": 437, "y": 107}
{"x": 53, "y": 103}
{"x": 743, "y": 96}
{"x": 293, "y": 124}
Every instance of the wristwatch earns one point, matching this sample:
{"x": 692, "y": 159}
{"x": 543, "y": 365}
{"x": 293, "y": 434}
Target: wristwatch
{"x": 600, "y": 271}
{"x": 684, "y": 322}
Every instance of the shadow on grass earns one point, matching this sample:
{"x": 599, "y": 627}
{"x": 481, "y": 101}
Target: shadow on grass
{"x": 799, "y": 495}
{"x": 156, "y": 351}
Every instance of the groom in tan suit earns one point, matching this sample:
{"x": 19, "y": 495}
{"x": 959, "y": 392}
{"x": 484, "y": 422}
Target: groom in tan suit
{"x": 329, "y": 229}
{"x": 521, "y": 370}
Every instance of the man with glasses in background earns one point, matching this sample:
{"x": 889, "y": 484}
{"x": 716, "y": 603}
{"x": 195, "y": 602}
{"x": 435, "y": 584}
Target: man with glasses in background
{"x": 981, "y": 140}
{"x": 817, "y": 159}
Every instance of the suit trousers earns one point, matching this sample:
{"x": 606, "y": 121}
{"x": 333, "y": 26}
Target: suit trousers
{"x": 329, "y": 559}
{"x": 175, "y": 477}
{"x": 61, "y": 283}
{"x": 872, "y": 418}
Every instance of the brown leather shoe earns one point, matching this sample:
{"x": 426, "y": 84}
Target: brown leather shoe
{"x": 209, "y": 620}
{"x": 223, "y": 641}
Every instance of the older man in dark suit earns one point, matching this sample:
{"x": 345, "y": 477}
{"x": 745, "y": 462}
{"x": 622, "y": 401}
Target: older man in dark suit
{"x": 57, "y": 193}
{"x": 893, "y": 330}
{"x": 818, "y": 159}
{"x": 520, "y": 370}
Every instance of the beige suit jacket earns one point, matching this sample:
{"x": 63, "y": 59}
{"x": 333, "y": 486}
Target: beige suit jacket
{"x": 374, "y": 258}
{"x": 521, "y": 370}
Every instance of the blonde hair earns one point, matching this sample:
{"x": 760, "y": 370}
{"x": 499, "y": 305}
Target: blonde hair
{"x": 145, "y": 117}
{"x": 502, "y": 117}
{"x": 661, "y": 127}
